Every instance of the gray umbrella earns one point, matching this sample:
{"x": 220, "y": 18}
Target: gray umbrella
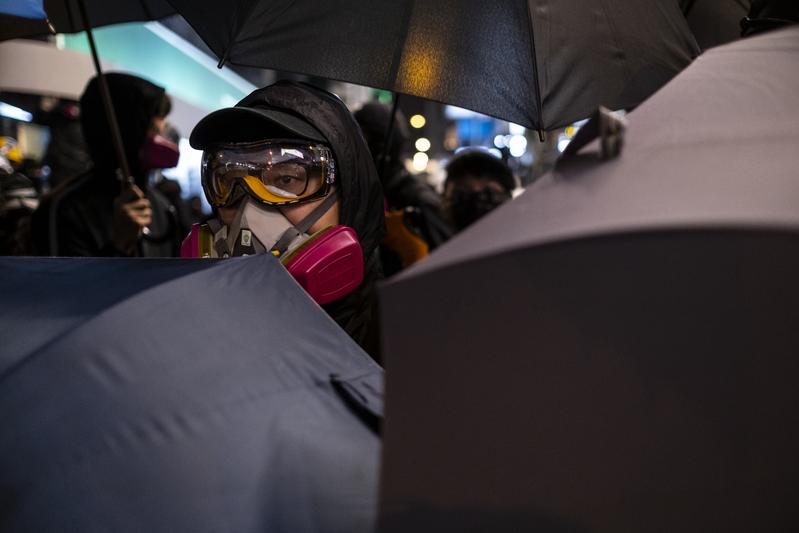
{"x": 539, "y": 63}
{"x": 176, "y": 395}
{"x": 616, "y": 350}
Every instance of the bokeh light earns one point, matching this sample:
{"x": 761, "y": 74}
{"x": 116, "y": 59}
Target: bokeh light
{"x": 418, "y": 121}
{"x": 422, "y": 144}
{"x": 517, "y": 145}
{"x": 420, "y": 161}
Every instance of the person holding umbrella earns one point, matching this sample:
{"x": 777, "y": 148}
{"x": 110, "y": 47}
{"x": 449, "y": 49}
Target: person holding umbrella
{"x": 98, "y": 214}
{"x": 289, "y": 173}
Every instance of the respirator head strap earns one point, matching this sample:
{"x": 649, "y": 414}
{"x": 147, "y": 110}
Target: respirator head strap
{"x": 304, "y": 225}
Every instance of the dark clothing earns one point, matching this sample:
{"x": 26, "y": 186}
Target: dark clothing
{"x": 172, "y": 192}
{"x": 405, "y": 190}
{"x": 360, "y": 193}
{"x": 419, "y": 202}
{"x": 76, "y": 220}
{"x": 67, "y": 154}
{"x": 18, "y": 198}
{"x": 356, "y": 313}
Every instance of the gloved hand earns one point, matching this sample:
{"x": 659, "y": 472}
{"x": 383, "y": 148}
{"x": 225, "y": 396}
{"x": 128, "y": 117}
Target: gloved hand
{"x": 132, "y": 213}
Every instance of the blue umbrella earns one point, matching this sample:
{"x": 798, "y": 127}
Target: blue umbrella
{"x": 23, "y": 8}
{"x": 176, "y": 395}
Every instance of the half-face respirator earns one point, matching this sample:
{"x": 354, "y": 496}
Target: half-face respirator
{"x": 260, "y": 178}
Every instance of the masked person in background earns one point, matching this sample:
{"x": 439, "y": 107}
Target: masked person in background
{"x": 414, "y": 221}
{"x": 476, "y": 184}
{"x": 93, "y": 214}
{"x": 288, "y": 173}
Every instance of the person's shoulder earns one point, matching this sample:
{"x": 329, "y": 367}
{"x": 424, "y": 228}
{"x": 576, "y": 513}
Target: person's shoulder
{"x": 419, "y": 193}
{"x": 70, "y": 189}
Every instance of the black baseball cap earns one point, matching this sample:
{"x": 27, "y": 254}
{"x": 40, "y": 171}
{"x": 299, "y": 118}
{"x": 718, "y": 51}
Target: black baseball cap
{"x": 250, "y": 124}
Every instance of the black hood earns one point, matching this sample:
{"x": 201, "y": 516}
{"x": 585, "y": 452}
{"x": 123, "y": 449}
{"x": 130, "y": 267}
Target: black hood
{"x": 136, "y": 102}
{"x": 374, "y": 118}
{"x": 360, "y": 191}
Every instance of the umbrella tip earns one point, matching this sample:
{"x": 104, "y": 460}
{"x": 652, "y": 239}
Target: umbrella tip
{"x": 224, "y": 58}
{"x": 541, "y": 135}
{"x": 50, "y": 27}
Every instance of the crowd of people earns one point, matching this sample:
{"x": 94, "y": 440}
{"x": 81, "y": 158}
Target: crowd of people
{"x": 289, "y": 171}
{"x": 281, "y": 169}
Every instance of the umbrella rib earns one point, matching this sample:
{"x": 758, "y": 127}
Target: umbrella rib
{"x": 147, "y": 12}
{"x": 238, "y": 28}
{"x": 539, "y": 106}
{"x": 688, "y": 7}
{"x": 70, "y": 15}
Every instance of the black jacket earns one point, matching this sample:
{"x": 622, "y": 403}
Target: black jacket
{"x": 360, "y": 191}
{"x": 76, "y": 221}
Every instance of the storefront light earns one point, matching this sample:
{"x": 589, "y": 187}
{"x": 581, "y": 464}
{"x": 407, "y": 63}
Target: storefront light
{"x": 10, "y": 111}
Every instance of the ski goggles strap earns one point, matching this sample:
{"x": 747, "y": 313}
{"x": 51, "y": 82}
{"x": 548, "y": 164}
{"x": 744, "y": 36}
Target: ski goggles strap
{"x": 304, "y": 225}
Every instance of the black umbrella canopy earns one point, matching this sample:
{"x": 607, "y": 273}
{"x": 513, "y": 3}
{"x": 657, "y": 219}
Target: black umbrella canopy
{"x": 616, "y": 348}
{"x": 537, "y": 63}
{"x": 715, "y": 22}
{"x": 65, "y": 17}
{"x": 195, "y": 396}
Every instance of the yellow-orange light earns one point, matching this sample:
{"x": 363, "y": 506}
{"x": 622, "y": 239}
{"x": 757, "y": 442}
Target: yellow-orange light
{"x": 418, "y": 121}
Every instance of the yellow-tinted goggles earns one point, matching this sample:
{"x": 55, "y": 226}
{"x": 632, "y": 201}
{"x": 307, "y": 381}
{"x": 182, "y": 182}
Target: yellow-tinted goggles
{"x": 272, "y": 172}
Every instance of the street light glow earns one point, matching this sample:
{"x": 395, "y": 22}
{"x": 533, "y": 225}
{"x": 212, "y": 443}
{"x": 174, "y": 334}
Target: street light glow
{"x": 418, "y": 121}
{"x": 517, "y": 145}
{"x": 420, "y": 161}
{"x": 515, "y": 129}
{"x": 422, "y": 144}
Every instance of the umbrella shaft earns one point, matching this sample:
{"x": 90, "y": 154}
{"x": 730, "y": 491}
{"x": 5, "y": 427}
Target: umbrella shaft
{"x": 382, "y": 170}
{"x": 106, "y": 98}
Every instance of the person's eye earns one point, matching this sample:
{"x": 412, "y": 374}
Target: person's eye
{"x": 286, "y": 179}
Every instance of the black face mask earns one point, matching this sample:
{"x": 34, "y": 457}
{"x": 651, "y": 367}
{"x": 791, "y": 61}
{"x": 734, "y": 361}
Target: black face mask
{"x": 468, "y": 206}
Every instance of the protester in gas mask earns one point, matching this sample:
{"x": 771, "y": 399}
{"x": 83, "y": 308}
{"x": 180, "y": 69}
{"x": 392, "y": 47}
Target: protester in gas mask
{"x": 476, "y": 183}
{"x": 97, "y": 214}
{"x": 288, "y": 173}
